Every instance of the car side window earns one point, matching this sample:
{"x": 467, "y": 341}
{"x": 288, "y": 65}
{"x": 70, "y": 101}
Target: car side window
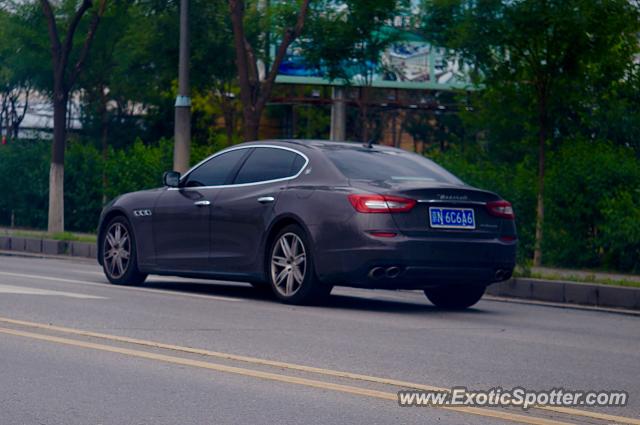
{"x": 217, "y": 171}
{"x": 266, "y": 164}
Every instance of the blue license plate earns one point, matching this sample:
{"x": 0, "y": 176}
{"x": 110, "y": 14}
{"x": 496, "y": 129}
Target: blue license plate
{"x": 452, "y": 218}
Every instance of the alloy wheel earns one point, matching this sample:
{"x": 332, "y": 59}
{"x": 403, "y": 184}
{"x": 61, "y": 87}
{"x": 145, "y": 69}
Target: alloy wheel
{"x": 117, "y": 250}
{"x": 288, "y": 264}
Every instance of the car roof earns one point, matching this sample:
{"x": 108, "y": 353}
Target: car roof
{"x": 320, "y": 144}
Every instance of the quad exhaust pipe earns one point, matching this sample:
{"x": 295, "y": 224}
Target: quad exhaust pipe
{"x": 376, "y": 273}
{"x": 502, "y": 275}
{"x": 380, "y": 272}
{"x": 393, "y": 272}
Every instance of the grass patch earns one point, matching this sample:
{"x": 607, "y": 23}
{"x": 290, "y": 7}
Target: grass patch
{"x": 68, "y": 236}
{"x": 588, "y": 278}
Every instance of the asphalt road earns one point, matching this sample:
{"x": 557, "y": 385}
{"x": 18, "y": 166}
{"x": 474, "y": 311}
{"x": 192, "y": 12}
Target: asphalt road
{"x": 63, "y": 359}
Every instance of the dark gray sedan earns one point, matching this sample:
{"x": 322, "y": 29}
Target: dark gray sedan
{"x": 304, "y": 216}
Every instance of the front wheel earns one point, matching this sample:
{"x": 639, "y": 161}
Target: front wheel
{"x": 291, "y": 271}
{"x": 456, "y": 297}
{"x": 119, "y": 256}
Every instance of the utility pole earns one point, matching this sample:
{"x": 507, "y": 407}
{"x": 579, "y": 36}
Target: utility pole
{"x": 182, "y": 131}
{"x": 338, "y": 115}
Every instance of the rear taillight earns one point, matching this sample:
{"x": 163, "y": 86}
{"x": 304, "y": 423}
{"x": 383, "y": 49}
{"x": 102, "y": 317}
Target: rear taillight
{"x": 502, "y": 209}
{"x": 381, "y": 203}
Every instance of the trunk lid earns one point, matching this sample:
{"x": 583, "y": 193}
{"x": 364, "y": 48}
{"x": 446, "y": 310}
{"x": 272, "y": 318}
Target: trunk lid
{"x": 416, "y": 223}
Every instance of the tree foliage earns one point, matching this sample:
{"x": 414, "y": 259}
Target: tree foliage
{"x": 545, "y": 65}
{"x": 255, "y": 89}
{"x": 136, "y": 167}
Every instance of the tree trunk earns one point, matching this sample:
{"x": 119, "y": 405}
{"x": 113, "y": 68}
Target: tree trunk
{"x": 254, "y": 93}
{"x": 228, "y": 113}
{"x": 62, "y": 84}
{"x": 4, "y": 119}
{"x": 294, "y": 121}
{"x": 56, "y": 173}
{"x": 229, "y": 125}
{"x": 104, "y": 136}
{"x": 364, "y": 114}
{"x": 400, "y": 132}
{"x": 251, "y": 124}
{"x": 542, "y": 138}
{"x": 16, "y": 117}
{"x": 395, "y": 137}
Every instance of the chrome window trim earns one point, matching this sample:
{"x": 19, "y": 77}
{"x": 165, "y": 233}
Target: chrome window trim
{"x": 209, "y": 158}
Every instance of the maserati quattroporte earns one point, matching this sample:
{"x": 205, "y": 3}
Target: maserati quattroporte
{"x": 304, "y": 216}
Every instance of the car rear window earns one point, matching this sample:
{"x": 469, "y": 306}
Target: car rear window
{"x": 386, "y": 165}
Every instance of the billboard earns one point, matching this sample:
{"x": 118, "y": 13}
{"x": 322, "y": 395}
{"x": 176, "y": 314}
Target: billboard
{"x": 409, "y": 62}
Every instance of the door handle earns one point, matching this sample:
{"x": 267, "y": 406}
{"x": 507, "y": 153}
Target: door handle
{"x": 202, "y": 203}
{"x": 266, "y": 199}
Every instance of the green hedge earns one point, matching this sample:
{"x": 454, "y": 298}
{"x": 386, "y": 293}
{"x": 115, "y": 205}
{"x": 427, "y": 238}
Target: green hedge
{"x": 24, "y": 184}
{"x": 592, "y": 202}
{"x": 24, "y": 173}
{"x": 593, "y": 208}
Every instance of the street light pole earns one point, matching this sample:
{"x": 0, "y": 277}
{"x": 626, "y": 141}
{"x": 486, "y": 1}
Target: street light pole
{"x": 338, "y": 114}
{"x": 182, "y": 130}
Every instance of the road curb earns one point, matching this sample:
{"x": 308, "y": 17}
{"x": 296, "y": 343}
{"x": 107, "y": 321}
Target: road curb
{"x": 582, "y": 307}
{"x": 565, "y": 292}
{"x": 64, "y": 257}
{"x": 48, "y": 246}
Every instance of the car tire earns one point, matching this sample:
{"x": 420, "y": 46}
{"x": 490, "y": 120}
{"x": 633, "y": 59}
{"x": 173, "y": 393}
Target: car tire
{"x": 455, "y": 297}
{"x": 119, "y": 253}
{"x": 261, "y": 286}
{"x": 291, "y": 271}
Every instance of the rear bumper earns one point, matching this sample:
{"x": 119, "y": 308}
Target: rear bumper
{"x": 411, "y": 263}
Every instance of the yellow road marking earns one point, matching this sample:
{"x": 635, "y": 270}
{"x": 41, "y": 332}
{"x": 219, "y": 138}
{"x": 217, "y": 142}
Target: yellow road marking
{"x": 226, "y": 356}
{"x": 300, "y": 368}
{"x": 275, "y": 377}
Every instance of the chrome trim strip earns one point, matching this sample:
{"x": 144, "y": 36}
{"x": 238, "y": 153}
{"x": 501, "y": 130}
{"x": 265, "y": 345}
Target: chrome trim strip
{"x": 445, "y": 201}
{"x": 242, "y": 184}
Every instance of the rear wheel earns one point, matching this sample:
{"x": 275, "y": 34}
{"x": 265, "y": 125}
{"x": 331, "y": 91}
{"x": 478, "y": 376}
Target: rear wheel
{"x": 291, "y": 270}
{"x": 455, "y": 297}
{"x": 119, "y": 256}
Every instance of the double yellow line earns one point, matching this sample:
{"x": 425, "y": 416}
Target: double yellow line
{"x": 277, "y": 377}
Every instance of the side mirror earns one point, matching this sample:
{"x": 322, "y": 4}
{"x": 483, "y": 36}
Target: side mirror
{"x": 171, "y": 178}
